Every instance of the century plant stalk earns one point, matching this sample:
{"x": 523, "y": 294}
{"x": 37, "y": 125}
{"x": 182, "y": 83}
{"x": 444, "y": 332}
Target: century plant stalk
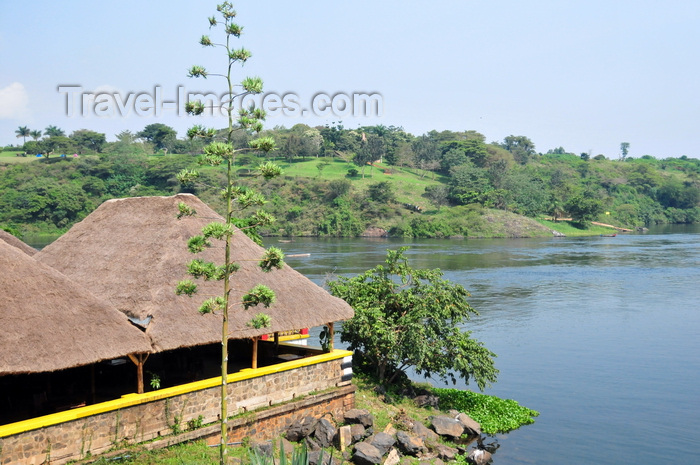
{"x": 214, "y": 154}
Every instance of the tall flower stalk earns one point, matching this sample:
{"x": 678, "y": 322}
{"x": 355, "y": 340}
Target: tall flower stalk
{"x": 236, "y": 197}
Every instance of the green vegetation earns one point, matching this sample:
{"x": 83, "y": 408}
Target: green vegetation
{"x": 410, "y": 318}
{"x": 495, "y": 415}
{"x": 439, "y": 184}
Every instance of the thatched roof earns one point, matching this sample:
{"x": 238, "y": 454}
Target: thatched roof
{"x": 133, "y": 252}
{"x": 12, "y": 240}
{"x": 48, "y": 322}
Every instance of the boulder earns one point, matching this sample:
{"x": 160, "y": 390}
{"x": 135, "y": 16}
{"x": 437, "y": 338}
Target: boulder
{"x": 420, "y": 430}
{"x": 287, "y": 446}
{"x": 479, "y": 457}
{"x": 264, "y": 449}
{"x": 321, "y": 457}
{"x": 446, "y": 426}
{"x": 358, "y": 432}
{"x": 374, "y": 232}
{"x": 383, "y": 442}
{"x": 410, "y": 445}
{"x": 393, "y": 458}
{"x": 446, "y": 453}
{"x": 311, "y": 444}
{"x": 426, "y": 400}
{"x": 471, "y": 427}
{"x": 324, "y": 432}
{"x": 366, "y": 454}
{"x": 301, "y": 428}
{"x": 359, "y": 416}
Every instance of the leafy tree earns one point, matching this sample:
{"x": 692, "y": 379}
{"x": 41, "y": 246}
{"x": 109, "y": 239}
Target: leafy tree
{"x": 159, "y": 134}
{"x": 36, "y": 134}
{"x": 521, "y": 147}
{"x": 583, "y": 209}
{"x": 411, "y": 318}
{"x": 215, "y": 154}
{"x": 382, "y": 192}
{"x": 87, "y": 140}
{"x": 53, "y": 131}
{"x": 458, "y": 152}
{"x": 469, "y": 184}
{"x": 438, "y": 195}
{"x": 23, "y": 132}
{"x": 624, "y": 150}
{"x": 371, "y": 149}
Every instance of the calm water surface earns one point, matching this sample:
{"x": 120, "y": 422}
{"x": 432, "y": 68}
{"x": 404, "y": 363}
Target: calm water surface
{"x": 601, "y": 335}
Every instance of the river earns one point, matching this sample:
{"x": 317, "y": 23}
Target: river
{"x": 601, "y": 335}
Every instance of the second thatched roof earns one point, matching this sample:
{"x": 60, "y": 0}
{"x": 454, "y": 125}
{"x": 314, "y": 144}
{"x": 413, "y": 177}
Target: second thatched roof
{"x": 132, "y": 252}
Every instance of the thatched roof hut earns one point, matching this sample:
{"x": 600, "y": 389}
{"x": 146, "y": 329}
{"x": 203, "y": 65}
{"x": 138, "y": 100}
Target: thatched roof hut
{"x": 48, "y": 322}
{"x": 12, "y": 240}
{"x": 132, "y": 252}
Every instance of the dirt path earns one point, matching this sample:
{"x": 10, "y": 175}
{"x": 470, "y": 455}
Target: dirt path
{"x": 600, "y": 224}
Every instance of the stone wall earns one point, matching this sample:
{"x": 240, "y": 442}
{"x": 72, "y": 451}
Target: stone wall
{"x": 165, "y": 412}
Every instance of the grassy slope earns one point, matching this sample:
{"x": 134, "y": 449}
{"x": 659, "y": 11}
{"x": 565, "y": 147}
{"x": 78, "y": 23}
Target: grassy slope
{"x": 408, "y": 183}
{"x": 409, "y": 186}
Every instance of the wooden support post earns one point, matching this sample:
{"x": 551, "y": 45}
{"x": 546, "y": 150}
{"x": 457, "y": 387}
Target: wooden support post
{"x": 93, "y": 390}
{"x": 255, "y": 352}
{"x": 277, "y": 343}
{"x": 331, "y": 335}
{"x": 139, "y": 360}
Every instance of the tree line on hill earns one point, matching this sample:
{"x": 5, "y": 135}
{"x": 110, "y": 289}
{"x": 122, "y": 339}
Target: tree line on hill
{"x": 462, "y": 174}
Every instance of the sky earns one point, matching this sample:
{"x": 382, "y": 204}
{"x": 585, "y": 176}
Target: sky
{"x": 585, "y": 76}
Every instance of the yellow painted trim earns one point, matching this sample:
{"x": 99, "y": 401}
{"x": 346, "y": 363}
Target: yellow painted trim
{"x": 129, "y": 400}
{"x": 293, "y": 337}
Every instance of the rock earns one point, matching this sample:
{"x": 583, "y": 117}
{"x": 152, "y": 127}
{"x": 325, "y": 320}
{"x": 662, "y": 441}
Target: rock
{"x": 344, "y": 437}
{"x": 366, "y": 454}
{"x": 287, "y": 446}
{"x": 426, "y": 400}
{"x": 471, "y": 427}
{"x": 264, "y": 449}
{"x": 357, "y": 432}
{"x": 311, "y": 444}
{"x": 479, "y": 457}
{"x": 301, "y": 428}
{"x": 383, "y": 442}
{"x": 410, "y": 445}
{"x": 446, "y": 453}
{"x": 324, "y": 432}
{"x": 557, "y": 233}
{"x": 390, "y": 430}
{"x": 361, "y": 416}
{"x": 375, "y": 232}
{"x": 321, "y": 457}
{"x": 393, "y": 458}
{"x": 446, "y": 426}
{"x": 420, "y": 430}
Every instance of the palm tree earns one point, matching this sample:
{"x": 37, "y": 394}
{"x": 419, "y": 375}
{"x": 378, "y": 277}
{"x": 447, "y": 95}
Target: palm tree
{"x": 23, "y": 131}
{"x": 53, "y": 131}
{"x": 36, "y": 135}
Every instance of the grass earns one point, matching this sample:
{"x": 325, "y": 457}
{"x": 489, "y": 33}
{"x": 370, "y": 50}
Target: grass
{"x": 408, "y": 184}
{"x": 12, "y": 158}
{"x": 566, "y": 227}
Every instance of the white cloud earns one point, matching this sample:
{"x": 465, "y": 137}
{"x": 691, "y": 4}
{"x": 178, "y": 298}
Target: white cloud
{"x": 14, "y": 102}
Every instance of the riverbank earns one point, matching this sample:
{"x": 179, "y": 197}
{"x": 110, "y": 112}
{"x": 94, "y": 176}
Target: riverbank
{"x": 388, "y": 409}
